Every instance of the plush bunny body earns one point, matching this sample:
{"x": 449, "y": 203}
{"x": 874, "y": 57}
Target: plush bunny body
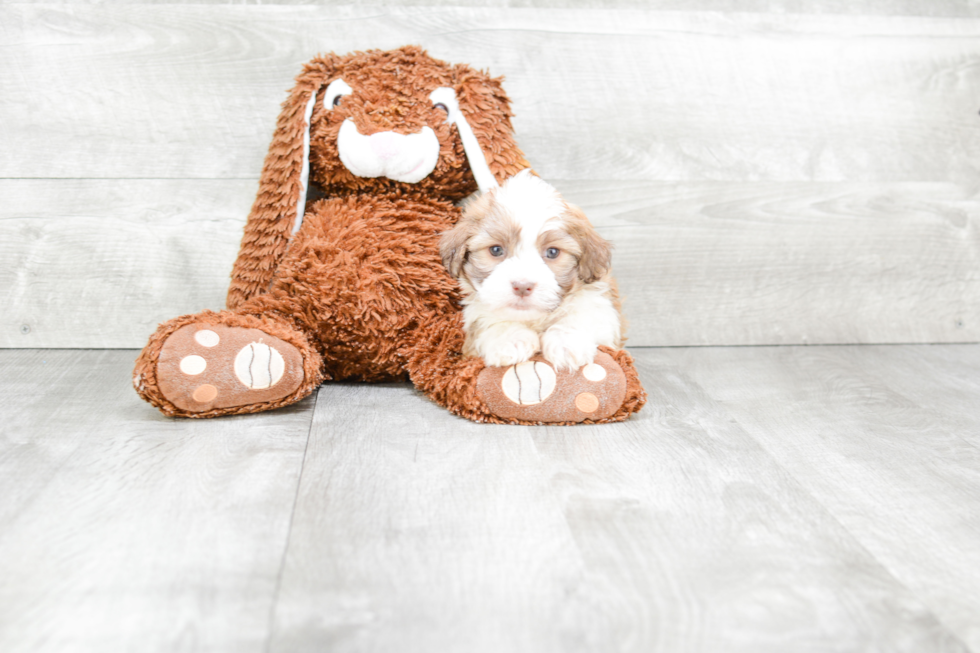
{"x": 352, "y": 286}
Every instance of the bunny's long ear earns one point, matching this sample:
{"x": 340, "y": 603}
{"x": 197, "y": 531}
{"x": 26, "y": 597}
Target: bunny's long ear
{"x": 280, "y": 203}
{"x": 485, "y": 107}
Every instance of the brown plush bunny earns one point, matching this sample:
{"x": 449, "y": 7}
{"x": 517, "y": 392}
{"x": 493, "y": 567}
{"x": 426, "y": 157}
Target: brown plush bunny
{"x": 352, "y": 286}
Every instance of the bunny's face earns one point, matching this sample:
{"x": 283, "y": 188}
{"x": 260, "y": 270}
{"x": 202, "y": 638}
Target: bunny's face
{"x": 380, "y": 120}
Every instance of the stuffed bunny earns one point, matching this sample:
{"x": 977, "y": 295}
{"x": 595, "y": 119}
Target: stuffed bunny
{"x": 339, "y": 275}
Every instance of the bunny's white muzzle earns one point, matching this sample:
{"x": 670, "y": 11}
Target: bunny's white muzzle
{"x": 402, "y": 157}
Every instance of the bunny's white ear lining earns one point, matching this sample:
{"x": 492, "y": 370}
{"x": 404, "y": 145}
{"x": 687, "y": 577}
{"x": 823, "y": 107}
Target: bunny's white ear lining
{"x": 304, "y": 174}
{"x": 478, "y": 162}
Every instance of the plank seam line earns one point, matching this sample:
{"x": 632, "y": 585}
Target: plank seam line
{"x": 249, "y": 178}
{"x": 964, "y": 343}
{"x": 960, "y": 343}
{"x": 289, "y": 529}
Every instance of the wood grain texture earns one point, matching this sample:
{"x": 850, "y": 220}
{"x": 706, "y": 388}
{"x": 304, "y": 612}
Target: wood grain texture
{"x": 766, "y": 499}
{"x": 696, "y": 540}
{"x": 786, "y": 173}
{"x": 123, "y": 530}
{"x": 675, "y": 531}
{"x": 418, "y": 531}
{"x": 944, "y": 379}
{"x": 98, "y": 263}
{"x": 875, "y": 434}
{"x": 715, "y": 263}
{"x": 875, "y": 7}
{"x": 193, "y": 90}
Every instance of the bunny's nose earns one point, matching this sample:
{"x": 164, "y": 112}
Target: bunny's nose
{"x": 523, "y": 288}
{"x": 385, "y": 144}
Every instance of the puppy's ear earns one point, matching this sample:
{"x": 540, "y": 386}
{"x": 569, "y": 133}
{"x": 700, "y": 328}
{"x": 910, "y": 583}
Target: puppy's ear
{"x": 452, "y": 247}
{"x": 596, "y": 251}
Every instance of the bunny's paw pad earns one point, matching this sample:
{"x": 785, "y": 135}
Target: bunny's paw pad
{"x": 207, "y": 366}
{"x": 535, "y": 392}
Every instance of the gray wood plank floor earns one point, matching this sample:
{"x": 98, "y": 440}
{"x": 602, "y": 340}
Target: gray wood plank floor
{"x": 122, "y": 530}
{"x": 767, "y": 499}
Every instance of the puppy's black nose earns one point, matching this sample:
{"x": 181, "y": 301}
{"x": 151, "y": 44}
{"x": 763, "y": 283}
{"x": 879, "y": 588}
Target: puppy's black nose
{"x": 523, "y": 288}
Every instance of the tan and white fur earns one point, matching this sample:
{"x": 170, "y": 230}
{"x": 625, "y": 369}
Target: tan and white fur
{"x": 535, "y": 276}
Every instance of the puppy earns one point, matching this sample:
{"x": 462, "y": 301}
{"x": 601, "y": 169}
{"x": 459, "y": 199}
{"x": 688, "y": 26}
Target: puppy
{"x": 535, "y": 277}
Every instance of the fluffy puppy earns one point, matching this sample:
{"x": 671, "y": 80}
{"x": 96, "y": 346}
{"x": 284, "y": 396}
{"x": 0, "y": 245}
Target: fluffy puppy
{"x": 535, "y": 276}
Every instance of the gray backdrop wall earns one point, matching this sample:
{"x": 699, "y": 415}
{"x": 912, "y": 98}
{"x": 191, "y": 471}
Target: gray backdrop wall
{"x": 791, "y": 172}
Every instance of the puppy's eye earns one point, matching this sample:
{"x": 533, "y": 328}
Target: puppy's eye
{"x": 496, "y": 250}
{"x": 552, "y": 252}
{"x": 441, "y": 107}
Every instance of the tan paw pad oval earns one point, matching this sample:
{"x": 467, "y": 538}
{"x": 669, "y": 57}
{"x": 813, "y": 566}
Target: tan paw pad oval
{"x": 205, "y": 393}
{"x": 587, "y": 402}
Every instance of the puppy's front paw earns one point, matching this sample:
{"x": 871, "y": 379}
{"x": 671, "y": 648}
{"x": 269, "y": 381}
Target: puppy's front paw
{"x": 567, "y": 350}
{"x": 511, "y": 347}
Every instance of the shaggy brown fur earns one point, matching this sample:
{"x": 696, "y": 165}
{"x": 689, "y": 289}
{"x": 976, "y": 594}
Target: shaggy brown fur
{"x": 360, "y": 290}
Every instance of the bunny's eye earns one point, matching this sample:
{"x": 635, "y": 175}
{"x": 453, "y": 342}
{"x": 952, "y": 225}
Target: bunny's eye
{"x": 552, "y": 252}
{"x": 338, "y": 89}
{"x": 496, "y": 250}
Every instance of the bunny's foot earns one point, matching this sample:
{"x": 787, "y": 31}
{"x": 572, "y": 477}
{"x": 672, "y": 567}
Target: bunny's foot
{"x": 225, "y": 363}
{"x": 535, "y": 392}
